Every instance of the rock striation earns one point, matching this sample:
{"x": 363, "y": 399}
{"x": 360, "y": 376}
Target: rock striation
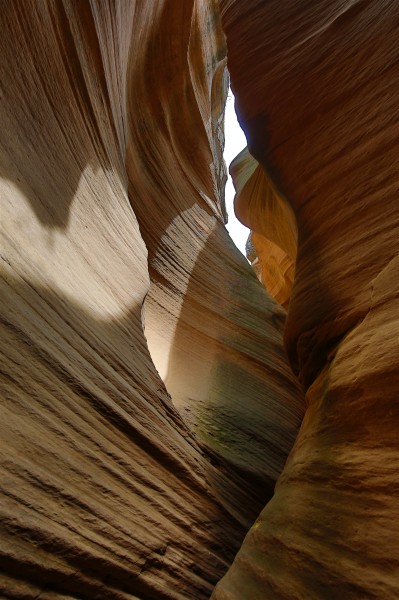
{"x": 147, "y": 402}
{"x": 316, "y": 90}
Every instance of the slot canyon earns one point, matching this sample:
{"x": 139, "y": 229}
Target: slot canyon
{"x": 175, "y": 424}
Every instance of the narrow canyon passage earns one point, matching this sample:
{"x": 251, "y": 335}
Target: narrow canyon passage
{"x": 148, "y": 402}
{"x": 111, "y": 193}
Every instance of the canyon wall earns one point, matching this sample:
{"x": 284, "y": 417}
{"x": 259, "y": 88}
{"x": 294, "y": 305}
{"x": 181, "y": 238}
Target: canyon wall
{"x": 148, "y": 407}
{"x": 147, "y": 402}
{"x": 317, "y": 94}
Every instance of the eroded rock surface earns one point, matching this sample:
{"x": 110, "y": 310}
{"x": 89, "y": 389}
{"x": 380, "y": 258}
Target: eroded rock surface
{"x": 316, "y": 88}
{"x": 109, "y": 487}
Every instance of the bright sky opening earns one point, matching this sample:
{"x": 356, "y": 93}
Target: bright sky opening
{"x": 235, "y": 141}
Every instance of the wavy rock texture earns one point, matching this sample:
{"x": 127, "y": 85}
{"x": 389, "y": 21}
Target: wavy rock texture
{"x": 274, "y": 236}
{"x": 107, "y": 489}
{"x": 316, "y": 87}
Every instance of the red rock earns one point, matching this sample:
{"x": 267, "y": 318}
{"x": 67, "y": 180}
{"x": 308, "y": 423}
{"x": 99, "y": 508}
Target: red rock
{"x": 315, "y": 85}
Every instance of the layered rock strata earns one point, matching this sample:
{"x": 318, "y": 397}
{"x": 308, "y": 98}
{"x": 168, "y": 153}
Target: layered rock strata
{"x": 316, "y": 88}
{"x": 110, "y": 487}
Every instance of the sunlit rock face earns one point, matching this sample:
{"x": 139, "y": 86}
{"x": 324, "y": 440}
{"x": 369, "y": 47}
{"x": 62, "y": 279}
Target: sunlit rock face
{"x": 274, "y": 236}
{"x": 113, "y": 485}
{"x": 316, "y": 89}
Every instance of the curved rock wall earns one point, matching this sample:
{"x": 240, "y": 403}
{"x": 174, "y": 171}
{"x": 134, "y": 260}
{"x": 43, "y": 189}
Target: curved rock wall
{"x": 316, "y": 89}
{"x": 107, "y": 489}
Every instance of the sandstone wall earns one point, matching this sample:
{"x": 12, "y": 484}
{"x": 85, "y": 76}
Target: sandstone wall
{"x": 316, "y": 88}
{"x": 111, "y": 487}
